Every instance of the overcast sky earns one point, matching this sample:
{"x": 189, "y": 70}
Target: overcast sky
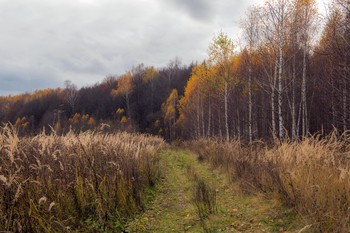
{"x": 45, "y": 42}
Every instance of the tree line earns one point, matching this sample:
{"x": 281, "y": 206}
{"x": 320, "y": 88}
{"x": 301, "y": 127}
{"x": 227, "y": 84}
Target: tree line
{"x": 128, "y": 102}
{"x": 290, "y": 79}
{"x": 283, "y": 83}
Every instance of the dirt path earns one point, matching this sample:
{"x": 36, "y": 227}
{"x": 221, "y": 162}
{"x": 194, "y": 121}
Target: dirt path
{"x": 195, "y": 198}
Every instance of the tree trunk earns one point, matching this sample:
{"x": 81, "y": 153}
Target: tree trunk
{"x": 334, "y": 120}
{"x": 226, "y": 112}
{"x": 202, "y": 117}
{"x": 303, "y": 97}
{"x": 280, "y": 70}
{"x": 294, "y": 134}
{"x": 273, "y": 120}
{"x": 127, "y": 104}
{"x": 344, "y": 106}
{"x": 250, "y": 105}
{"x": 198, "y": 119}
{"x": 238, "y": 125}
{"x": 220, "y": 125}
{"x": 209, "y": 117}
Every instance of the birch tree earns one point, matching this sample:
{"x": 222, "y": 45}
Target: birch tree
{"x": 251, "y": 34}
{"x": 169, "y": 113}
{"x": 277, "y": 14}
{"x": 221, "y": 55}
{"x": 306, "y": 14}
{"x": 71, "y": 95}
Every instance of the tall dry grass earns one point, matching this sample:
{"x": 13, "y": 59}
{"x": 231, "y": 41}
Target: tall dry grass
{"x": 78, "y": 182}
{"x": 313, "y": 175}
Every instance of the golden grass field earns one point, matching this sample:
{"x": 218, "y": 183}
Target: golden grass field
{"x": 76, "y": 182}
{"x": 96, "y": 181}
{"x": 312, "y": 176}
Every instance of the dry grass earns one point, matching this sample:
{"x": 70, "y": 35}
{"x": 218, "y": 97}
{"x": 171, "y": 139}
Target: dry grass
{"x": 313, "y": 175}
{"x": 78, "y": 182}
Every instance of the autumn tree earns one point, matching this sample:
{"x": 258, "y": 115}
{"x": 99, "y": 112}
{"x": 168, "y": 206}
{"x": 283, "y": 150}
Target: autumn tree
{"x": 124, "y": 89}
{"x": 305, "y": 14}
{"x": 251, "y": 34}
{"x": 221, "y": 55}
{"x": 169, "y": 109}
{"x": 70, "y": 95}
{"x": 332, "y": 57}
{"x": 196, "y": 106}
{"x": 276, "y": 15}
{"x": 149, "y": 77}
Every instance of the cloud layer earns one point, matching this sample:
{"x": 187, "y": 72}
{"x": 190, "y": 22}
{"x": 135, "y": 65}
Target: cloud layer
{"x": 46, "y": 42}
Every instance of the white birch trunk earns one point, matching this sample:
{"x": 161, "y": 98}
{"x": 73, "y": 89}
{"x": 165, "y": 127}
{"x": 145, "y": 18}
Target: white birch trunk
{"x": 280, "y": 70}
{"x": 303, "y": 97}
{"x": 250, "y": 106}
{"x": 198, "y": 119}
{"x": 209, "y": 117}
{"x": 273, "y": 119}
{"x": 202, "y": 117}
{"x": 294, "y": 134}
{"x": 226, "y": 112}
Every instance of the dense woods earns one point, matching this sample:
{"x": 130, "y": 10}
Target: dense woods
{"x": 283, "y": 83}
{"x": 290, "y": 79}
{"x": 129, "y": 102}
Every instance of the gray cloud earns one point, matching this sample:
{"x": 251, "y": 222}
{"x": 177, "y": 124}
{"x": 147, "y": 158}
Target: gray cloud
{"x": 43, "y": 43}
{"x": 12, "y": 83}
{"x": 203, "y": 10}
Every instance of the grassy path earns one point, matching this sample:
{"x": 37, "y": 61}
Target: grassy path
{"x": 187, "y": 182}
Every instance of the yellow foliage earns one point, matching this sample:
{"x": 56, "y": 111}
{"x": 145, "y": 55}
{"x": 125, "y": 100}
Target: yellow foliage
{"x": 75, "y": 119}
{"x": 124, "y": 85}
{"x": 120, "y": 111}
{"x": 25, "y": 124}
{"x": 124, "y": 120}
{"x": 91, "y": 121}
{"x": 150, "y": 73}
{"x": 57, "y": 126}
{"x": 40, "y": 94}
{"x": 85, "y": 117}
{"x": 169, "y": 107}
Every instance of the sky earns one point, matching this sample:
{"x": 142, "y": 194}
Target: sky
{"x": 45, "y": 42}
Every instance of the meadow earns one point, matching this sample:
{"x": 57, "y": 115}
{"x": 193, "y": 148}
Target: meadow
{"x": 311, "y": 176}
{"x": 79, "y": 182}
{"x": 95, "y": 181}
